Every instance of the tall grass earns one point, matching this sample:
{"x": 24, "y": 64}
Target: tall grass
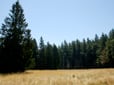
{"x": 60, "y": 77}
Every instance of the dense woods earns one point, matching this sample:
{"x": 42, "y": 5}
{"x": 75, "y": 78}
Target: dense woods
{"x": 19, "y": 51}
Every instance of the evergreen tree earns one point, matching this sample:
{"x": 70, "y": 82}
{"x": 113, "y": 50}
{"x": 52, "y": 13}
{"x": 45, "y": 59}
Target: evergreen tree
{"x": 109, "y": 59}
{"x": 42, "y": 56}
{"x": 29, "y": 60}
{"x": 76, "y": 54}
{"x": 101, "y": 50}
{"x": 0, "y": 47}
{"x": 12, "y": 34}
{"x": 73, "y": 53}
{"x": 49, "y": 56}
{"x": 111, "y": 34}
{"x": 66, "y": 54}
{"x": 60, "y": 50}
{"x": 84, "y": 52}
{"x": 95, "y": 48}
{"x": 56, "y": 57}
{"x": 90, "y": 56}
{"x": 35, "y": 53}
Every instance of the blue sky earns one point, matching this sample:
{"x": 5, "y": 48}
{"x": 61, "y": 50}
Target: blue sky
{"x": 59, "y": 20}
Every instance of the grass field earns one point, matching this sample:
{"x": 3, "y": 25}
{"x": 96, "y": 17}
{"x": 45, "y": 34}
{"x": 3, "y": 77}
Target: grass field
{"x": 60, "y": 77}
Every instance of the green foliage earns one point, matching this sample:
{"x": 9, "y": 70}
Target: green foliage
{"x": 35, "y": 53}
{"x": 29, "y": 60}
{"x": 49, "y": 56}
{"x": 56, "y": 57}
{"x": 110, "y": 52}
{"x": 18, "y": 51}
{"x": 86, "y": 54}
{"x": 42, "y": 57}
{"x": 16, "y": 45}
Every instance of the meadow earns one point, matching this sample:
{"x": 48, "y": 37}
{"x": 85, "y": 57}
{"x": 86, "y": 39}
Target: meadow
{"x": 60, "y": 77}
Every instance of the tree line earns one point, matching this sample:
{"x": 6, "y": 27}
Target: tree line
{"x": 95, "y": 53}
{"x": 19, "y": 51}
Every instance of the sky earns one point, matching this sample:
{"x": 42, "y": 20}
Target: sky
{"x": 59, "y": 20}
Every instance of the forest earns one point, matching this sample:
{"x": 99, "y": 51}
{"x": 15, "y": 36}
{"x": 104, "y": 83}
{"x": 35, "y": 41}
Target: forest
{"x": 20, "y": 51}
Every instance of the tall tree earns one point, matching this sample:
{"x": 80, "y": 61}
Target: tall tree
{"x": 0, "y": 47}
{"x": 66, "y": 55}
{"x": 84, "y": 52}
{"x": 78, "y": 54}
{"x": 101, "y": 50}
{"x": 73, "y": 53}
{"x": 42, "y": 57}
{"x": 109, "y": 57}
{"x": 90, "y": 57}
{"x": 49, "y": 57}
{"x": 28, "y": 46}
{"x": 111, "y": 34}
{"x": 76, "y": 57}
{"x": 12, "y": 34}
{"x": 56, "y": 57}
{"x": 35, "y": 52}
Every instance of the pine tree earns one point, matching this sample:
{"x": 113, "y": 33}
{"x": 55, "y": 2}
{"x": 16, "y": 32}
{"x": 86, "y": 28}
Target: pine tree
{"x": 66, "y": 56}
{"x": 84, "y": 52}
{"x": 49, "y": 56}
{"x": 56, "y": 57}
{"x": 78, "y": 56}
{"x": 28, "y": 46}
{"x": 0, "y": 47}
{"x": 111, "y": 34}
{"x": 12, "y": 35}
{"x": 35, "y": 53}
{"x": 73, "y": 53}
{"x": 42, "y": 57}
{"x": 101, "y": 51}
{"x": 89, "y": 58}
{"x": 109, "y": 59}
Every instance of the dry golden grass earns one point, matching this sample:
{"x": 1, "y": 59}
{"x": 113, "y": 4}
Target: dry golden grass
{"x": 60, "y": 77}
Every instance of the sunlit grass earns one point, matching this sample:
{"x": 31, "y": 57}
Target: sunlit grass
{"x": 60, "y": 77}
